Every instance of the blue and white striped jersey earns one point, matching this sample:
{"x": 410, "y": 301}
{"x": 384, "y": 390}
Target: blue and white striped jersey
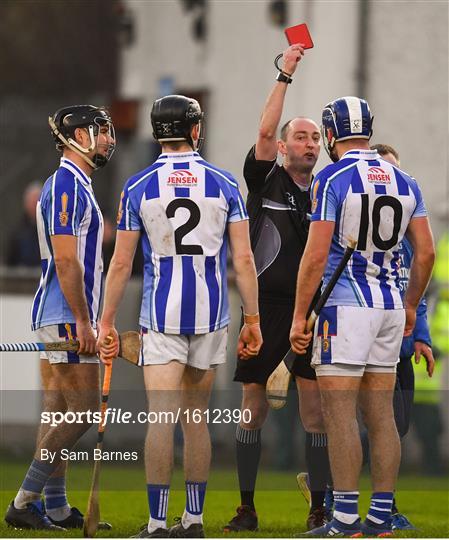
{"x": 371, "y": 201}
{"x": 67, "y": 206}
{"x": 182, "y": 205}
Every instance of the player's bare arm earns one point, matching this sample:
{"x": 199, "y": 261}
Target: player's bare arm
{"x": 420, "y": 235}
{"x": 118, "y": 275}
{"x": 266, "y": 144}
{"x": 70, "y": 276}
{"x": 250, "y": 339}
{"x": 310, "y": 273}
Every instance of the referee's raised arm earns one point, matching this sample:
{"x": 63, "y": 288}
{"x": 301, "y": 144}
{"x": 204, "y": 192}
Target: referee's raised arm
{"x": 266, "y": 144}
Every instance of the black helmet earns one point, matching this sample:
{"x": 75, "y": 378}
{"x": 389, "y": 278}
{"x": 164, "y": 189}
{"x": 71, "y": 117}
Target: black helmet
{"x": 172, "y": 118}
{"x": 64, "y": 122}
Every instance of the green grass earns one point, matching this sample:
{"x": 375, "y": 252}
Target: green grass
{"x": 282, "y": 510}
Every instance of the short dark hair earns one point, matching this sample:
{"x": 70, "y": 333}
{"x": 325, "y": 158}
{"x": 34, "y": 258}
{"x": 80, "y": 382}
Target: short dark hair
{"x": 284, "y": 130}
{"x": 285, "y": 127}
{"x": 385, "y": 149}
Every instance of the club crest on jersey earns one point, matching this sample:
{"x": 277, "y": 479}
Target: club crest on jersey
{"x": 325, "y": 341}
{"x": 182, "y": 177}
{"x": 376, "y": 175}
{"x": 314, "y": 197}
{"x": 68, "y": 329}
{"x": 64, "y": 215}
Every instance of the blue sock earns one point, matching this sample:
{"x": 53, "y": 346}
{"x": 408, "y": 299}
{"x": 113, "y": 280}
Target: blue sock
{"x": 195, "y": 495}
{"x": 380, "y": 507}
{"x": 33, "y": 483}
{"x": 56, "y": 504}
{"x": 346, "y": 506}
{"x": 158, "y": 503}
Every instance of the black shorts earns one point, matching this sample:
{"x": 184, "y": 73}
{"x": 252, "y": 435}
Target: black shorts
{"x": 275, "y": 322}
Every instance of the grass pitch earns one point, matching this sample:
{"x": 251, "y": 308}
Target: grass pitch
{"x": 282, "y": 510}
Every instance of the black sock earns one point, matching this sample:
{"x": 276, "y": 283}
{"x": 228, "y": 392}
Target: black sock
{"x": 248, "y": 448}
{"x": 318, "y": 467}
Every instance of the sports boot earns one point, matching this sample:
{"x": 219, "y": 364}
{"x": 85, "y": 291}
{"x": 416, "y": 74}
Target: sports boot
{"x": 157, "y": 533}
{"x": 31, "y": 517}
{"x": 244, "y": 520}
{"x": 335, "y": 528}
{"x": 316, "y": 518}
{"x": 195, "y": 530}
{"x": 76, "y": 521}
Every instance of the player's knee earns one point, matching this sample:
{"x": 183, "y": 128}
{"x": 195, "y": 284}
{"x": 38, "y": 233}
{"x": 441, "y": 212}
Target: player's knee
{"x": 92, "y": 402}
{"x": 327, "y": 414}
{"x": 194, "y": 425}
{"x": 375, "y": 420}
{"x": 54, "y": 403}
{"x": 254, "y": 416}
{"x": 311, "y": 414}
{"x": 313, "y": 421}
{"x": 84, "y": 414}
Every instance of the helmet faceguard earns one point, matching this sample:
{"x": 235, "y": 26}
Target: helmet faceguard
{"x": 343, "y": 119}
{"x": 66, "y": 120}
{"x": 172, "y": 119}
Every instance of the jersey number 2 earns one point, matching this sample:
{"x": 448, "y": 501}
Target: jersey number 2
{"x": 189, "y": 225}
{"x": 379, "y": 203}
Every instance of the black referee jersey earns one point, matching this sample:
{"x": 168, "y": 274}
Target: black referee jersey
{"x": 279, "y": 226}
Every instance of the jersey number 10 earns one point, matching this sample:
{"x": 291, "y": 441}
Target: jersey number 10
{"x": 381, "y": 202}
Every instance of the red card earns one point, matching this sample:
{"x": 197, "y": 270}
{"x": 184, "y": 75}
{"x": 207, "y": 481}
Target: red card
{"x": 299, "y": 34}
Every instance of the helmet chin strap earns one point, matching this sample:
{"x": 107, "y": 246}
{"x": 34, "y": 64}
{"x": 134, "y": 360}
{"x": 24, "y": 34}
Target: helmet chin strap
{"x": 73, "y": 145}
{"x": 201, "y": 136}
{"x": 331, "y": 152}
{"x": 329, "y": 144}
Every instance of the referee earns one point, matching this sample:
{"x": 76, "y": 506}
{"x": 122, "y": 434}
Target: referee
{"x": 278, "y": 203}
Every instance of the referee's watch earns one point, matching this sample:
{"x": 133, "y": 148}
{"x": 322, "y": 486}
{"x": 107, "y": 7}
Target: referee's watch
{"x": 284, "y": 77}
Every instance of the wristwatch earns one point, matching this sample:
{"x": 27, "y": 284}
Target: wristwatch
{"x": 283, "y": 77}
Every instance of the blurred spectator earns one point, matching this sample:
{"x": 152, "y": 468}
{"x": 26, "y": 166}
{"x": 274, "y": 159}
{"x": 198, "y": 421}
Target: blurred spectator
{"x": 23, "y": 245}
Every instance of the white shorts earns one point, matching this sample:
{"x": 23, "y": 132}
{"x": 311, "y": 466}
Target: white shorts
{"x": 62, "y": 332}
{"x": 202, "y": 351}
{"x": 350, "y": 370}
{"x": 356, "y": 336}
